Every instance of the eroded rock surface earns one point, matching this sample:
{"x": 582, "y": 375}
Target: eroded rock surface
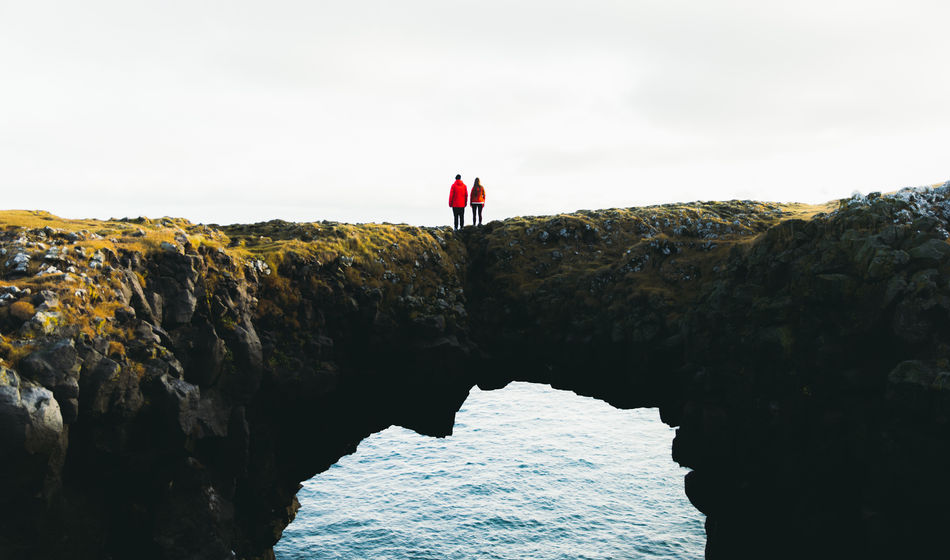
{"x": 165, "y": 387}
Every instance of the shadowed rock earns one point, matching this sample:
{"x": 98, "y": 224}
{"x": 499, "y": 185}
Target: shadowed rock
{"x": 183, "y": 394}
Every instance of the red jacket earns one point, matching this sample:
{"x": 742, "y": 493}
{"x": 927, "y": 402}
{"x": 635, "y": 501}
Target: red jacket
{"x": 458, "y": 196}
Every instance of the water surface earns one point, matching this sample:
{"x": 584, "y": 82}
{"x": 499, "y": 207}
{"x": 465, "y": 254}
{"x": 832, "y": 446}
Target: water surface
{"x": 529, "y": 473}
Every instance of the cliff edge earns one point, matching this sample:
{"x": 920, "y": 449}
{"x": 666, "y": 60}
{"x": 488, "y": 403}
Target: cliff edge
{"x": 165, "y": 386}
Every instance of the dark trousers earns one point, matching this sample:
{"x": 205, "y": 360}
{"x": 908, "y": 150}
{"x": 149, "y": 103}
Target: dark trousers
{"x": 477, "y": 208}
{"x": 459, "y": 215}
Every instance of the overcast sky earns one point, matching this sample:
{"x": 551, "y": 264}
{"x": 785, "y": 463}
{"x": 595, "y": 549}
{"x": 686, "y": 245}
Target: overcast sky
{"x": 235, "y": 111}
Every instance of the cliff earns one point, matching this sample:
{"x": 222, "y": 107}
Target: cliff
{"x": 165, "y": 386}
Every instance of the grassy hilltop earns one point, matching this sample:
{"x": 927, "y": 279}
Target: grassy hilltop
{"x": 78, "y": 259}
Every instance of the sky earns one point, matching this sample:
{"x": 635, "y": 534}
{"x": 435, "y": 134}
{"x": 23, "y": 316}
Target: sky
{"x": 224, "y": 111}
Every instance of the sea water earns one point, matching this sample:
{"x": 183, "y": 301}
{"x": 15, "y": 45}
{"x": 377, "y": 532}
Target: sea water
{"x": 529, "y": 473}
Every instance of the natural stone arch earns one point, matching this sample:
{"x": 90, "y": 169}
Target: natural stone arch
{"x": 802, "y": 352}
{"x": 790, "y": 359}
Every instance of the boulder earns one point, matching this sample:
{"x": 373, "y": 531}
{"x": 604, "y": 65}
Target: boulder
{"x": 180, "y": 307}
{"x": 931, "y": 251}
{"x": 57, "y": 368}
{"x": 179, "y": 401}
{"x": 107, "y": 388}
{"x": 32, "y": 437}
{"x": 138, "y": 299}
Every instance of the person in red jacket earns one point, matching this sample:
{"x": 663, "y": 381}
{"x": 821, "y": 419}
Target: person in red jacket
{"x": 458, "y": 198}
{"x": 478, "y": 200}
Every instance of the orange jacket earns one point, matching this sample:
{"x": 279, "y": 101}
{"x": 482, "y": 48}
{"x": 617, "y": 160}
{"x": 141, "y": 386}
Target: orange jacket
{"x": 478, "y": 194}
{"x": 458, "y": 195}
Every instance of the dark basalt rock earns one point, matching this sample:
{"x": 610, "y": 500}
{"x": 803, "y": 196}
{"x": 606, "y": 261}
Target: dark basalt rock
{"x": 57, "y": 368}
{"x": 169, "y": 405}
{"x": 33, "y": 440}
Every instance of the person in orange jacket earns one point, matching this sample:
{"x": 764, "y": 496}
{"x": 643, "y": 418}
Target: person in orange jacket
{"x": 458, "y": 198}
{"x": 478, "y": 200}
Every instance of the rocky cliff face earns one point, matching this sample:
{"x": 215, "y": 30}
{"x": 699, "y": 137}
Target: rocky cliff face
{"x": 165, "y": 387}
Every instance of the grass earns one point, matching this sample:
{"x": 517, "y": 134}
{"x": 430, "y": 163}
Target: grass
{"x": 344, "y": 261}
{"x": 659, "y": 249}
{"x": 11, "y": 352}
{"x": 88, "y": 304}
{"x": 585, "y": 251}
{"x": 136, "y": 234}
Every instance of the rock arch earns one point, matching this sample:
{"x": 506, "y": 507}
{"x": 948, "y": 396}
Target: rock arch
{"x": 801, "y": 352}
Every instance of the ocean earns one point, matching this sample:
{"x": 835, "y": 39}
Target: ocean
{"x": 529, "y": 473}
